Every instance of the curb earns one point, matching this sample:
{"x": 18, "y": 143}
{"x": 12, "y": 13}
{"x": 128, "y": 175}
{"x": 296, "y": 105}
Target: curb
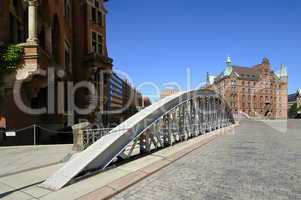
{"x": 123, "y": 183}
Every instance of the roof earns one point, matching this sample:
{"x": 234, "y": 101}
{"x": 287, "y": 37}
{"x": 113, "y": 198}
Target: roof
{"x": 293, "y": 97}
{"x": 244, "y": 70}
{"x": 245, "y": 73}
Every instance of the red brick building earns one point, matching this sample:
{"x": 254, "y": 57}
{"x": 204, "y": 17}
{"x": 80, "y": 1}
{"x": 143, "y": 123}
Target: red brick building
{"x": 257, "y": 90}
{"x": 68, "y": 36}
{"x": 168, "y": 92}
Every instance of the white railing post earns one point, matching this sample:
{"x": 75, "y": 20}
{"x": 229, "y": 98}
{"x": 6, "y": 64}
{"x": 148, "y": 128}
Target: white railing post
{"x": 34, "y": 135}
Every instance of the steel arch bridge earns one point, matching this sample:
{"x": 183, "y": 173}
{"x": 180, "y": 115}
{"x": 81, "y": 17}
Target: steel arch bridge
{"x": 171, "y": 120}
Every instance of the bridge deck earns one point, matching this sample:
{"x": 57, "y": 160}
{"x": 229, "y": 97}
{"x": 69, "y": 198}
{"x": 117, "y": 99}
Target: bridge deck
{"x": 258, "y": 162}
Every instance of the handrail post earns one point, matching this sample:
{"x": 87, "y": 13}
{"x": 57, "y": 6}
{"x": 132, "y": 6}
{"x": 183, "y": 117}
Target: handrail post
{"x": 34, "y": 135}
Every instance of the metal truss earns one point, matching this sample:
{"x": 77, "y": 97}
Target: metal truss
{"x": 172, "y": 120}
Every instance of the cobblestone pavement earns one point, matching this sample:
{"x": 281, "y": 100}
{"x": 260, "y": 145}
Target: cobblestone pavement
{"x": 257, "y": 162}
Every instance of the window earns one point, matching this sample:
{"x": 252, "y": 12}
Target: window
{"x": 16, "y": 22}
{"x": 93, "y": 13}
{"x": 67, "y": 10}
{"x": 100, "y": 18}
{"x": 96, "y": 12}
{"x": 42, "y": 38}
{"x": 249, "y": 87}
{"x": 234, "y": 89}
{"x": 68, "y": 58}
{"x": 97, "y": 43}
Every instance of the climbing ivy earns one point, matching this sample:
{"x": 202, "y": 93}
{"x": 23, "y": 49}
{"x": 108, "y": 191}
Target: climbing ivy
{"x": 10, "y": 58}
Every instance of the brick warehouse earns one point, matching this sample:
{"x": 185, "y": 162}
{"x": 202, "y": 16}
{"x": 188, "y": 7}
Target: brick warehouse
{"x": 70, "y": 36}
{"x": 257, "y": 91}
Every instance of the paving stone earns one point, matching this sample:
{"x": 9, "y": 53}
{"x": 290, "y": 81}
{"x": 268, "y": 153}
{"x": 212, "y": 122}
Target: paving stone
{"x": 256, "y": 161}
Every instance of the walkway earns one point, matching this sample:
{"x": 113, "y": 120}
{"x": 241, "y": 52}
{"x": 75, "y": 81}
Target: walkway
{"x": 23, "y": 158}
{"x": 257, "y": 162}
{"x": 23, "y": 168}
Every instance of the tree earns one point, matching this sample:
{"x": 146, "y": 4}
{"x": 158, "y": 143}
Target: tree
{"x": 293, "y": 111}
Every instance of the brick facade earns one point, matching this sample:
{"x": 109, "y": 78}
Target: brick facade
{"x": 257, "y": 91}
{"x": 71, "y": 37}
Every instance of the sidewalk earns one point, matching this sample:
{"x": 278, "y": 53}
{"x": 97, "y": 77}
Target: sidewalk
{"x": 19, "y": 159}
{"x": 24, "y": 185}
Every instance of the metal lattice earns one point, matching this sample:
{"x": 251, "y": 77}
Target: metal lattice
{"x": 92, "y": 135}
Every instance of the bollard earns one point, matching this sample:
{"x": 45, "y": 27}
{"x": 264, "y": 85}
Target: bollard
{"x": 78, "y": 137}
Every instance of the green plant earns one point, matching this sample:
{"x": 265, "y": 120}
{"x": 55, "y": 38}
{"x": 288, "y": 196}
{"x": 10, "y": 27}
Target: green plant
{"x": 293, "y": 111}
{"x": 10, "y": 58}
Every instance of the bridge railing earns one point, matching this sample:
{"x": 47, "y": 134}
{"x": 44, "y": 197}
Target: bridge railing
{"x": 171, "y": 120}
{"x": 90, "y": 136}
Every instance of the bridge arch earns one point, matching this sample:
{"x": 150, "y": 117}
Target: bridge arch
{"x": 171, "y": 120}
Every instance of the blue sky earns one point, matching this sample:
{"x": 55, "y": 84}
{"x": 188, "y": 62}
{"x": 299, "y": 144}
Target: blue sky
{"x": 157, "y": 40}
